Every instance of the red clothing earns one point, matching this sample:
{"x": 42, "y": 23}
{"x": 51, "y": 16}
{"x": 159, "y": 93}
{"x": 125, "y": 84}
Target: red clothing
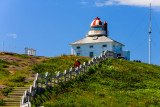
{"x": 77, "y": 64}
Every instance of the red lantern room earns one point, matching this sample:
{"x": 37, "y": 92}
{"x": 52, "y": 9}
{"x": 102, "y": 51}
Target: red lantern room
{"x": 97, "y": 28}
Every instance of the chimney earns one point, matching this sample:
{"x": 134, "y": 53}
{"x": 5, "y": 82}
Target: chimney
{"x": 105, "y": 28}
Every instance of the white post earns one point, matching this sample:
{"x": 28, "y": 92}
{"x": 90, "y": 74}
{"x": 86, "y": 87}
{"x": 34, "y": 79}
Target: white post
{"x": 65, "y": 73}
{"x": 41, "y": 81}
{"x": 57, "y": 77}
{"x": 46, "y": 77}
{"x": 71, "y": 73}
{"x": 79, "y": 69}
{"x": 54, "y": 79}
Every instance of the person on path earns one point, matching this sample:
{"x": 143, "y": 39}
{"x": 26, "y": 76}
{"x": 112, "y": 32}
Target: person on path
{"x": 76, "y": 64}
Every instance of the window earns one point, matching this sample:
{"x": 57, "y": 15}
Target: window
{"x": 104, "y": 46}
{"x": 78, "y": 47}
{"x": 78, "y": 54}
{"x": 120, "y": 49}
{"x": 113, "y": 46}
{"x": 91, "y": 46}
{"x": 91, "y": 54}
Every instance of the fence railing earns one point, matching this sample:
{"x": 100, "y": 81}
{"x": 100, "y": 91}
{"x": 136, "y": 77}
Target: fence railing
{"x": 49, "y": 80}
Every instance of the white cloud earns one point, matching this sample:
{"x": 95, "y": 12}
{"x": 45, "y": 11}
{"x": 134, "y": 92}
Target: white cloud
{"x": 12, "y": 35}
{"x": 142, "y": 3}
{"x": 84, "y": 2}
{"x": 98, "y": 4}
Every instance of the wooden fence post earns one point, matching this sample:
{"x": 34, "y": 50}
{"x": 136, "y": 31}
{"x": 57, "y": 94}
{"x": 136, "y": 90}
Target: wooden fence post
{"x": 61, "y": 74}
{"x": 68, "y": 75}
{"x": 89, "y": 64}
{"x": 54, "y": 79}
{"x": 71, "y": 73}
{"x": 76, "y": 71}
{"x": 84, "y": 64}
{"x": 65, "y": 73}
{"x": 95, "y": 58}
{"x": 46, "y": 77}
{"x": 51, "y": 79}
{"x": 57, "y": 77}
{"x": 41, "y": 80}
{"x": 80, "y": 69}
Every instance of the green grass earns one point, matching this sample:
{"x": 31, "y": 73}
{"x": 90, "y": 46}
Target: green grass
{"x": 113, "y": 83}
{"x": 4, "y": 73}
{"x": 5, "y": 64}
{"x": 58, "y": 64}
{"x": 17, "y": 79}
{"x": 22, "y": 56}
{"x": 1, "y": 102}
{"x": 15, "y": 84}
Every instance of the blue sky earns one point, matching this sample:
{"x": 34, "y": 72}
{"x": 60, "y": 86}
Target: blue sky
{"x": 51, "y": 25}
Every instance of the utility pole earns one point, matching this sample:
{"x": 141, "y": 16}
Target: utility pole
{"x": 9, "y": 48}
{"x": 15, "y": 48}
{"x": 3, "y": 45}
{"x": 150, "y": 37}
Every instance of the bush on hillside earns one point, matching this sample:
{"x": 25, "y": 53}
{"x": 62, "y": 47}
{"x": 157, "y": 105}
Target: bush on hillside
{"x": 22, "y": 56}
{"x": 6, "y": 91}
{"x": 4, "y": 73}
{"x": 58, "y": 64}
{"x": 1, "y": 102}
{"x": 4, "y": 63}
{"x": 17, "y": 79}
{"x": 15, "y": 84}
{"x": 111, "y": 83}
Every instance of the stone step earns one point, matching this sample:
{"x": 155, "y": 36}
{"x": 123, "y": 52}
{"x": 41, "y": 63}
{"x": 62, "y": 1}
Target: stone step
{"x": 20, "y": 88}
{"x": 12, "y": 101}
{"x": 15, "y": 94}
{"x": 9, "y": 106}
{"x": 11, "y": 96}
{"x": 19, "y": 91}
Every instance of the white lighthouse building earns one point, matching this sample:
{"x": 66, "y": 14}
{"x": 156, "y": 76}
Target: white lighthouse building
{"x": 97, "y": 41}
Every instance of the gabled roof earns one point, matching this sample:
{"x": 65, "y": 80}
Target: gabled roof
{"x": 100, "y": 39}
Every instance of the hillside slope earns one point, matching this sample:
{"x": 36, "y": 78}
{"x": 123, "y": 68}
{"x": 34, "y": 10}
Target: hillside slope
{"x": 113, "y": 83}
{"x": 17, "y": 70}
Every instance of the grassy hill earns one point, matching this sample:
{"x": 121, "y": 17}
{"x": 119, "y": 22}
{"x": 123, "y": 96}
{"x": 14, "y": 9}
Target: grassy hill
{"x": 113, "y": 83}
{"x": 17, "y": 70}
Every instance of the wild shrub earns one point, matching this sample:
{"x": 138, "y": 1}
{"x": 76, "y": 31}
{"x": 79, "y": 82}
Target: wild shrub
{"x": 102, "y": 94}
{"x": 1, "y": 102}
{"x": 17, "y": 79}
{"x": 4, "y": 73}
{"x": 58, "y": 64}
{"x": 22, "y": 56}
{"x": 6, "y": 91}
{"x": 111, "y": 83}
{"x": 109, "y": 62}
{"x": 4, "y": 62}
{"x": 15, "y": 84}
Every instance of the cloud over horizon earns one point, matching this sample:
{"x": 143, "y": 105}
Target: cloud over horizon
{"x": 139, "y": 3}
{"x": 84, "y": 2}
{"x": 13, "y": 35}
